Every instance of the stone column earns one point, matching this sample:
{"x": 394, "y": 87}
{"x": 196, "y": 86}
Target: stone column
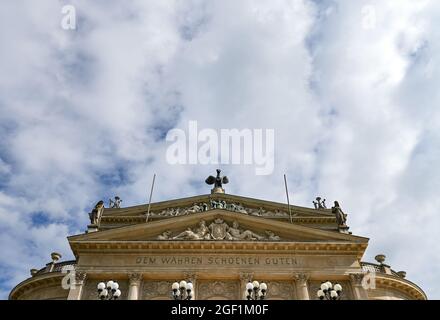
{"x": 190, "y": 276}
{"x": 134, "y": 283}
{"x": 302, "y": 289}
{"x": 244, "y": 280}
{"x": 76, "y": 287}
{"x": 359, "y": 291}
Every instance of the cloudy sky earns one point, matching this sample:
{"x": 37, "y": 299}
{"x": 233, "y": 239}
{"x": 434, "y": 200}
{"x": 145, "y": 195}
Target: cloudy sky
{"x": 350, "y": 88}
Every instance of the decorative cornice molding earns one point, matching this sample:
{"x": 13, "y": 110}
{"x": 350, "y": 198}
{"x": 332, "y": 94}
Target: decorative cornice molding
{"x": 35, "y": 282}
{"x": 397, "y": 283}
{"x": 305, "y": 248}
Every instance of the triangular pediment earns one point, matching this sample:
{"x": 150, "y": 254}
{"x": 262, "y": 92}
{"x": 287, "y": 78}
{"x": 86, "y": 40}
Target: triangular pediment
{"x": 256, "y": 207}
{"x": 203, "y": 204}
{"x": 218, "y": 225}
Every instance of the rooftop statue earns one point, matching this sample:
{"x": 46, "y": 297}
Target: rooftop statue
{"x": 115, "y": 203}
{"x": 319, "y": 204}
{"x": 96, "y": 212}
{"x": 218, "y": 182}
{"x": 341, "y": 217}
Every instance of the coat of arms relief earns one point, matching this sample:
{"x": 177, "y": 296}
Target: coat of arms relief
{"x": 219, "y": 230}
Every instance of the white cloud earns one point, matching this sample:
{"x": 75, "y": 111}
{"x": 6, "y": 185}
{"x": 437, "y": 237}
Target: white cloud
{"x": 84, "y": 113}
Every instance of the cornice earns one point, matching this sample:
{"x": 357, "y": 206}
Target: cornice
{"x": 141, "y": 219}
{"x": 126, "y": 247}
{"x": 400, "y": 284}
{"x": 29, "y": 284}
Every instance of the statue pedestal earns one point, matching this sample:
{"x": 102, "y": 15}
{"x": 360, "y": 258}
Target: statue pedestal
{"x": 92, "y": 228}
{"x": 344, "y": 229}
{"x": 217, "y": 190}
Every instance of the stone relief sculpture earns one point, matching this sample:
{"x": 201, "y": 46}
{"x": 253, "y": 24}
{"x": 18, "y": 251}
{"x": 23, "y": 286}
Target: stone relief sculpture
{"x": 272, "y": 236}
{"x": 219, "y": 204}
{"x": 219, "y": 230}
{"x": 218, "y": 289}
{"x": 164, "y": 236}
{"x": 201, "y": 233}
{"x": 237, "y": 234}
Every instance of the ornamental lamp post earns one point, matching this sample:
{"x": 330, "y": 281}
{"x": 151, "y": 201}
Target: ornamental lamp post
{"x": 256, "y": 290}
{"x": 328, "y": 291}
{"x": 182, "y": 290}
{"x": 109, "y": 291}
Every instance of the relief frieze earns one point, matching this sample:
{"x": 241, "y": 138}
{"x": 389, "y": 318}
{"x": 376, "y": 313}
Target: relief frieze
{"x": 219, "y": 230}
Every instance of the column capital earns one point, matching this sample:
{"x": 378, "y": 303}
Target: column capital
{"x": 80, "y": 276}
{"x": 134, "y": 277}
{"x": 301, "y": 277}
{"x": 190, "y": 276}
{"x": 246, "y": 276}
{"x": 356, "y": 278}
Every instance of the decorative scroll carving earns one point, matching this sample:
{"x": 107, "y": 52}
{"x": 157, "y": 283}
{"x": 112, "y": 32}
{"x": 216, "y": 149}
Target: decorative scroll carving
{"x": 218, "y": 290}
{"x": 219, "y": 230}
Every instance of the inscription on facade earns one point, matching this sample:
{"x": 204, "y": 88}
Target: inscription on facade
{"x": 216, "y": 261}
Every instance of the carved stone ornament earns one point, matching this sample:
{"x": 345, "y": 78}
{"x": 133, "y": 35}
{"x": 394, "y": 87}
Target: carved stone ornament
{"x": 246, "y": 276}
{"x": 157, "y": 289}
{"x": 281, "y": 290}
{"x": 218, "y": 289}
{"x": 357, "y": 278}
{"x": 190, "y": 276}
{"x": 301, "y": 278}
{"x": 219, "y": 205}
{"x": 219, "y": 230}
{"x": 80, "y": 276}
{"x": 135, "y": 277}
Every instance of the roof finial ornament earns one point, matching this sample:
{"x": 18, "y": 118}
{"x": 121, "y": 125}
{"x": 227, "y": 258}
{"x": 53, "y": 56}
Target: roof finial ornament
{"x": 218, "y": 182}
